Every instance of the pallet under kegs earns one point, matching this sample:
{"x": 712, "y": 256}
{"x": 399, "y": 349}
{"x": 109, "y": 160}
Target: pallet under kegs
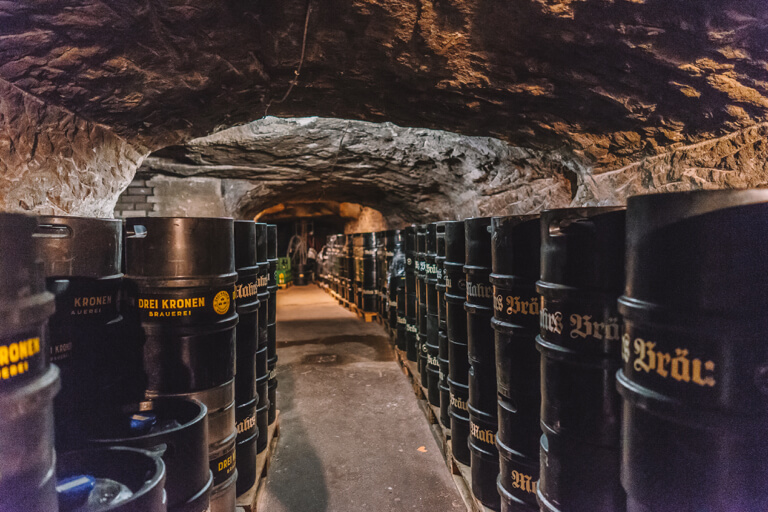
{"x": 482, "y": 362}
{"x": 180, "y": 279}
{"x": 117, "y": 479}
{"x": 174, "y": 428}
{"x": 28, "y": 383}
{"x": 99, "y": 365}
{"x": 456, "y": 330}
{"x": 247, "y": 334}
{"x": 694, "y": 352}
{"x": 515, "y": 254}
{"x": 582, "y": 275}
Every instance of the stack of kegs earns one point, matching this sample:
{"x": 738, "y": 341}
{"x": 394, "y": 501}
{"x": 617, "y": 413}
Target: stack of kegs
{"x": 515, "y": 252}
{"x": 180, "y": 281}
{"x": 272, "y": 321}
{"x": 557, "y": 402}
{"x": 28, "y": 382}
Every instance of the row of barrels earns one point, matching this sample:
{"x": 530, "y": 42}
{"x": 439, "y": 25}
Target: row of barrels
{"x": 146, "y": 350}
{"x": 598, "y": 358}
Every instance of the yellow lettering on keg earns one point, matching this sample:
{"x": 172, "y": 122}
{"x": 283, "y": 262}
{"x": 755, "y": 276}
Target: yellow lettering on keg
{"x": 523, "y": 482}
{"x": 680, "y": 367}
{"x": 14, "y": 357}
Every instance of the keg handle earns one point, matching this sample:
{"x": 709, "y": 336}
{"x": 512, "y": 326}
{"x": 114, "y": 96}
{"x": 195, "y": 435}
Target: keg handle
{"x": 557, "y": 226}
{"x": 136, "y": 231}
{"x": 52, "y": 231}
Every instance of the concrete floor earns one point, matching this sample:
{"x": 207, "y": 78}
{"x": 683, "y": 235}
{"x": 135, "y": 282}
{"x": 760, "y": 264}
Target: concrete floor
{"x": 352, "y": 435}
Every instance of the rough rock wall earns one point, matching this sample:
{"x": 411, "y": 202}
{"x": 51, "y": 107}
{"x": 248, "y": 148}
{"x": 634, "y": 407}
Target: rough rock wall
{"x": 407, "y": 174}
{"x": 55, "y": 162}
{"x": 612, "y": 81}
{"x": 416, "y": 174}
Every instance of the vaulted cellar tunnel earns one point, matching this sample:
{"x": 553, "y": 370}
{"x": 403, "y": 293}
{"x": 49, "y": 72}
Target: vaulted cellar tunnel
{"x": 360, "y": 116}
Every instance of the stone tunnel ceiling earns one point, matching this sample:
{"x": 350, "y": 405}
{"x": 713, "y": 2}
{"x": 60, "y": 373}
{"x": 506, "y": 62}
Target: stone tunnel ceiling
{"x": 609, "y": 85}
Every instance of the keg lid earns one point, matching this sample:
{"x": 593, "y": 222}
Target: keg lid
{"x": 74, "y": 490}
{"x": 79, "y": 246}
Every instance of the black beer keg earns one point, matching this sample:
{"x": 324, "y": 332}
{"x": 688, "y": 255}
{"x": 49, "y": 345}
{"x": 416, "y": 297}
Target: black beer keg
{"x": 432, "y": 344}
{"x": 99, "y": 366}
{"x": 24, "y": 304}
{"x": 456, "y": 329}
{"x": 117, "y": 479}
{"x": 27, "y": 460}
{"x": 381, "y": 273}
{"x": 173, "y": 428}
{"x": 421, "y": 296}
{"x": 272, "y": 322}
{"x": 582, "y": 275}
{"x": 392, "y": 245}
{"x": 28, "y": 383}
{"x": 180, "y": 280}
{"x": 365, "y": 272}
{"x": 411, "y": 295}
{"x": 397, "y": 281}
{"x": 349, "y": 250}
{"x": 482, "y": 361}
{"x": 694, "y": 355}
{"x": 515, "y": 255}
{"x": 442, "y": 335}
{"x": 247, "y": 334}
{"x": 180, "y": 277}
{"x": 263, "y": 253}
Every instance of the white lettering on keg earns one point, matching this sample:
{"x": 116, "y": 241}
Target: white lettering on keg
{"x": 431, "y": 268}
{"x": 458, "y": 402}
{"x": 680, "y": 367}
{"x": 431, "y": 360}
{"x": 411, "y": 328}
{"x": 14, "y": 357}
{"x": 523, "y": 482}
{"x": 482, "y": 434}
{"x": 401, "y": 320}
{"x": 516, "y": 305}
{"x": 552, "y": 322}
{"x": 480, "y": 290}
{"x": 583, "y": 326}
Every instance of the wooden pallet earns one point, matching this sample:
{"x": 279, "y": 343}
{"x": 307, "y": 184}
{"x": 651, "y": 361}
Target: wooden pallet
{"x": 284, "y": 286}
{"x": 249, "y": 500}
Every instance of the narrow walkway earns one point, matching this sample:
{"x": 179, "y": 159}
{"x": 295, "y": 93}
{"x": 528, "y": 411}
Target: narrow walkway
{"x": 353, "y": 438}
